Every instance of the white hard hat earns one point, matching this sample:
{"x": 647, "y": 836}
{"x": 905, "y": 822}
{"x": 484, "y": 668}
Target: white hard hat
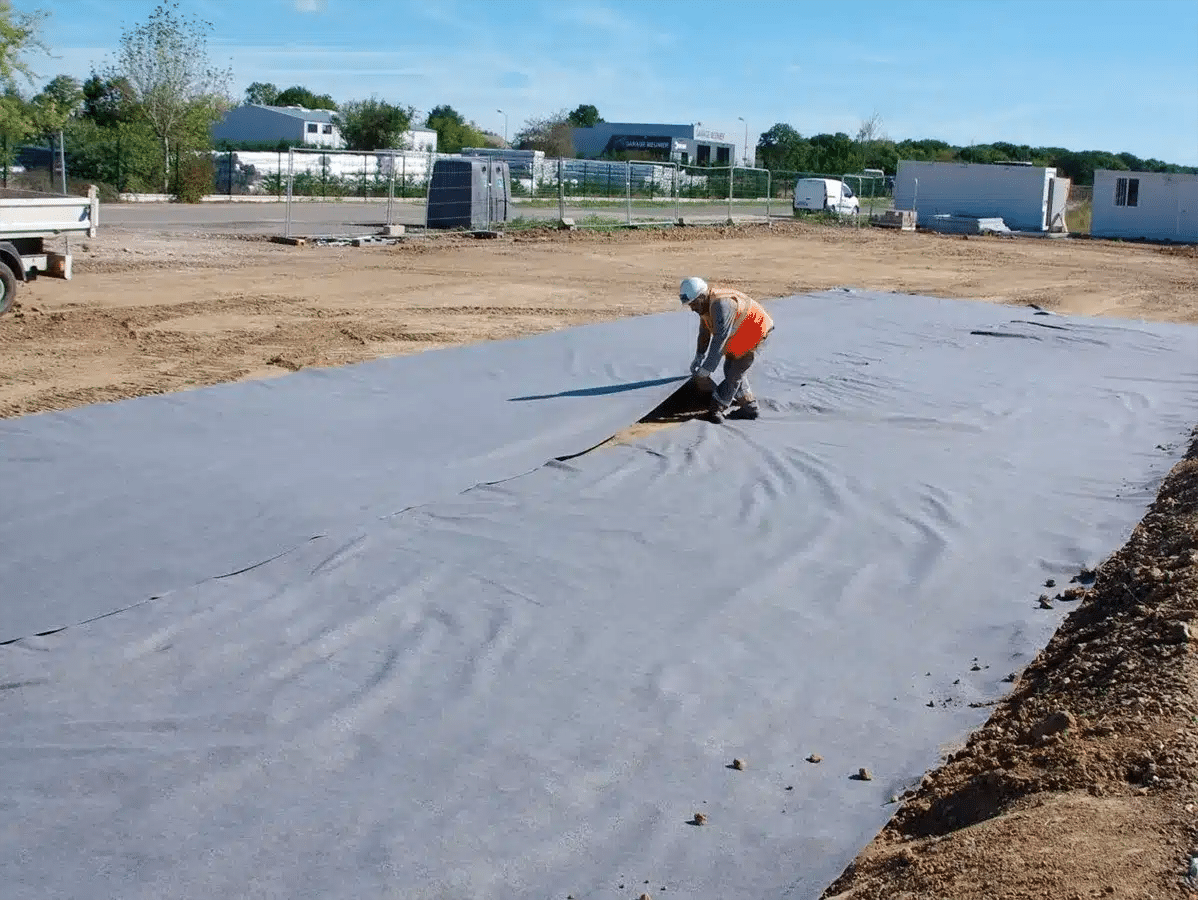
{"x": 691, "y": 289}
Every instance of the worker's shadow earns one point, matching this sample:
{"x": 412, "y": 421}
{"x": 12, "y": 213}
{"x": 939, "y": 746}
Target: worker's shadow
{"x": 599, "y": 391}
{"x": 688, "y": 402}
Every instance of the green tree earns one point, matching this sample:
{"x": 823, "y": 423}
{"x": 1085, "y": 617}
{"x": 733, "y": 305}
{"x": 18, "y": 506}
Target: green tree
{"x": 835, "y": 154}
{"x": 55, "y": 104}
{"x": 109, "y": 101}
{"x": 444, "y": 113}
{"x": 179, "y": 92}
{"x": 585, "y": 115}
{"x": 875, "y": 150}
{"x": 1079, "y": 166}
{"x": 262, "y": 93}
{"x": 373, "y": 124}
{"x": 20, "y": 32}
{"x": 926, "y": 150}
{"x": 1014, "y": 152}
{"x": 553, "y": 135}
{"x": 783, "y": 149}
{"x": 301, "y": 96}
{"x": 64, "y": 92}
{"x": 122, "y": 155}
{"x": 453, "y": 131}
{"x": 15, "y": 127}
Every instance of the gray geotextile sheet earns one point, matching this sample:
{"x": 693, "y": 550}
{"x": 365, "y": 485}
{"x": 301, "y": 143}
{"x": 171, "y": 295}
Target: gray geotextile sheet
{"x": 528, "y": 689}
{"x": 109, "y": 505}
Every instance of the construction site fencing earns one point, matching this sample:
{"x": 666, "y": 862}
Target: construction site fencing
{"x": 600, "y": 193}
{"x": 396, "y": 180}
{"x": 372, "y": 191}
{"x": 867, "y": 186}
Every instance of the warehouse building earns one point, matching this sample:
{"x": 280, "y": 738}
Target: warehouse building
{"x": 693, "y": 145}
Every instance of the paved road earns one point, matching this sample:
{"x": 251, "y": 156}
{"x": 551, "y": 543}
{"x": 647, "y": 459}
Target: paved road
{"x": 312, "y": 218}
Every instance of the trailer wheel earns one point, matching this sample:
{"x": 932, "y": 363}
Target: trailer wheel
{"x": 8, "y": 284}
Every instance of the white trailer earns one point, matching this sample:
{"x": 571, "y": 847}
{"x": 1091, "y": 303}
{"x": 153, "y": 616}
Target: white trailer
{"x": 1026, "y": 198}
{"x": 1152, "y": 206}
{"x": 27, "y": 218}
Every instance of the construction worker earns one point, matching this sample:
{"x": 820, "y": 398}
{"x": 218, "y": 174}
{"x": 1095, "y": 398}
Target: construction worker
{"x": 731, "y": 325}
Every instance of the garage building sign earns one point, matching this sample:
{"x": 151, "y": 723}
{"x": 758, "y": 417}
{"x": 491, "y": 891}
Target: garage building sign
{"x": 620, "y": 143}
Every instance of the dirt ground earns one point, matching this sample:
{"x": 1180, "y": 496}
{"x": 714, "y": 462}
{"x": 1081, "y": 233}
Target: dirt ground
{"x": 149, "y": 314}
{"x": 1083, "y": 783}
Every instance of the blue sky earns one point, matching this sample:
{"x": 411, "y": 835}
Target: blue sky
{"x": 1083, "y": 74}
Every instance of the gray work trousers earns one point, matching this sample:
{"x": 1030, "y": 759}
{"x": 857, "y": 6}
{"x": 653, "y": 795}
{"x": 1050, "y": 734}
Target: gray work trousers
{"x": 735, "y": 386}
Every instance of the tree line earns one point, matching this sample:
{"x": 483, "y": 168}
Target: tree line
{"x": 144, "y": 121}
{"x": 782, "y": 148}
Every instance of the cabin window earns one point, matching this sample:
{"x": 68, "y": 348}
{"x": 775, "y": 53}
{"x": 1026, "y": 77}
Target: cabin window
{"x": 1127, "y": 192}
{"x": 311, "y": 128}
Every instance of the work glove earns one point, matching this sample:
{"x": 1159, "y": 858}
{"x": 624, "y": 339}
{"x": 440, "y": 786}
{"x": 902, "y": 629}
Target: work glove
{"x": 696, "y": 363}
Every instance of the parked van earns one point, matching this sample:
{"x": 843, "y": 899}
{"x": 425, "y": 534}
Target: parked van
{"x": 826, "y": 194}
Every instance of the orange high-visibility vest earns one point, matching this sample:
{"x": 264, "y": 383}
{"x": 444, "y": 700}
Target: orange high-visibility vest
{"x": 750, "y": 324}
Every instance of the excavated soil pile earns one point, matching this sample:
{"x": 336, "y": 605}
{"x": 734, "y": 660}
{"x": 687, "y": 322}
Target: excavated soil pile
{"x": 1084, "y": 781}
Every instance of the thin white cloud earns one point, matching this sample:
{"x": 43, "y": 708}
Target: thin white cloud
{"x": 309, "y": 6}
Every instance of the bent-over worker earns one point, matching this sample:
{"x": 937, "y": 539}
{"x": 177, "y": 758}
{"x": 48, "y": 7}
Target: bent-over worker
{"x": 733, "y": 326}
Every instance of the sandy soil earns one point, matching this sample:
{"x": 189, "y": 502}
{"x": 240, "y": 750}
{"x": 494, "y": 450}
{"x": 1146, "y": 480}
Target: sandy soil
{"x": 151, "y": 314}
{"x": 1084, "y": 782}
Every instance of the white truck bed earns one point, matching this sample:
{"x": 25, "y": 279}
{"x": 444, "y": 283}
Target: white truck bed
{"x": 34, "y": 214}
{"x": 27, "y": 218}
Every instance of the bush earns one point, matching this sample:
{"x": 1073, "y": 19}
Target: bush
{"x": 194, "y": 178}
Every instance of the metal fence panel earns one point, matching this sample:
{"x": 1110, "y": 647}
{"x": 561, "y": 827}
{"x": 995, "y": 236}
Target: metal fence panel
{"x": 365, "y": 192}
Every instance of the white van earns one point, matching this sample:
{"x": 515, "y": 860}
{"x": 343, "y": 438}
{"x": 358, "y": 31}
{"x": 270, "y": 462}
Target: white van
{"x": 826, "y": 194}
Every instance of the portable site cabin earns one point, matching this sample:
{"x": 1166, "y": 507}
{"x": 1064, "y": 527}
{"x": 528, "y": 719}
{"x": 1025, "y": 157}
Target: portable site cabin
{"x": 469, "y": 193}
{"x": 1153, "y": 206}
{"x": 1026, "y": 198}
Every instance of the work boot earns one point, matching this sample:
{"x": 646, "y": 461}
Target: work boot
{"x": 748, "y": 411}
{"x": 715, "y": 413}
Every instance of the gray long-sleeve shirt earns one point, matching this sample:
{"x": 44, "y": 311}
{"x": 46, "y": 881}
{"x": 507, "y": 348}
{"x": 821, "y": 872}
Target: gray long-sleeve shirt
{"x": 722, "y": 312}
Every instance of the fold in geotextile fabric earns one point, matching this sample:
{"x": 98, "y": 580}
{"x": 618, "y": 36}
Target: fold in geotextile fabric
{"x": 530, "y": 687}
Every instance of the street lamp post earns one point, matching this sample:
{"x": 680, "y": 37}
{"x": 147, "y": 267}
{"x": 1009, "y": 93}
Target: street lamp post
{"x": 502, "y": 113}
{"x": 745, "y": 148}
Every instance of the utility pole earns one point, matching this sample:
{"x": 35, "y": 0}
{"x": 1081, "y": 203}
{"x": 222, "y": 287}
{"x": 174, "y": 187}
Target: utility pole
{"x": 502, "y": 113}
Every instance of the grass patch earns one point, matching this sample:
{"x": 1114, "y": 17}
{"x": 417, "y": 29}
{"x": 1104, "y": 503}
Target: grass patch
{"x": 824, "y": 217}
{"x": 1077, "y": 218}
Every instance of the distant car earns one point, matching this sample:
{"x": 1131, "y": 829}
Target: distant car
{"x": 826, "y": 195}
